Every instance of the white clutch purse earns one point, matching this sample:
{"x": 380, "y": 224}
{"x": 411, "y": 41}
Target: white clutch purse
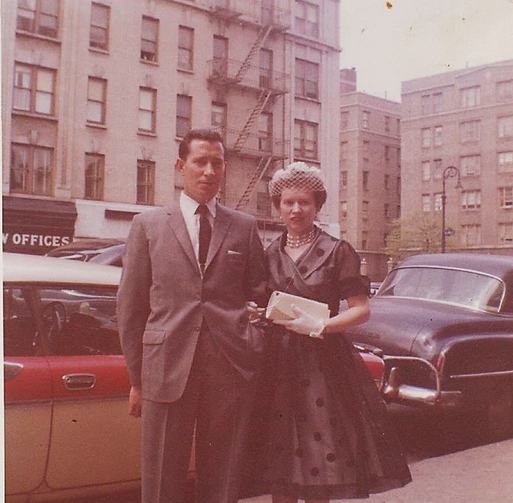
{"x": 280, "y": 304}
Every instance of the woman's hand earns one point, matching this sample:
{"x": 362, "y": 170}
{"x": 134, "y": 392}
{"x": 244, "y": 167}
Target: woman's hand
{"x": 304, "y": 323}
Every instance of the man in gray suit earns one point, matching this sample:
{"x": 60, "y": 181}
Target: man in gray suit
{"x": 191, "y": 354}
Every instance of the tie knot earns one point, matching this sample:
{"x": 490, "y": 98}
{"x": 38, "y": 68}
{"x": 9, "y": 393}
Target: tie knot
{"x": 202, "y": 210}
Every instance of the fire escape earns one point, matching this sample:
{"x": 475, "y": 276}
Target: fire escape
{"x": 228, "y": 75}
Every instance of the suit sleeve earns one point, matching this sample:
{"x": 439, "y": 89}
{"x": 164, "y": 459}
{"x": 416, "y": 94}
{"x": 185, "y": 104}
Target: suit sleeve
{"x": 133, "y": 305}
{"x": 257, "y": 268}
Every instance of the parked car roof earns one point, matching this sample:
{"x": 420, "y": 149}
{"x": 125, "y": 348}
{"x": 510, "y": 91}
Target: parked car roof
{"x": 22, "y": 268}
{"x": 497, "y": 265}
{"x": 99, "y": 250}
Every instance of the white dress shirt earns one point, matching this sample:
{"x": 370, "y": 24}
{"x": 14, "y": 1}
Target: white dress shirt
{"x": 189, "y": 207}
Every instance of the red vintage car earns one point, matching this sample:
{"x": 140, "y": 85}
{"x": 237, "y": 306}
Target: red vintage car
{"x": 67, "y": 430}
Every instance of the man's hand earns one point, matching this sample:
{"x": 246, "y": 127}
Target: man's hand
{"x": 255, "y": 313}
{"x": 135, "y": 401}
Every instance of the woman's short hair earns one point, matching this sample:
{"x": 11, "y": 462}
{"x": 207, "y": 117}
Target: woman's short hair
{"x": 298, "y": 175}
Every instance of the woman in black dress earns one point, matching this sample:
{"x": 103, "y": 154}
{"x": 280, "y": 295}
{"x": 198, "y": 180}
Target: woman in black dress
{"x": 323, "y": 430}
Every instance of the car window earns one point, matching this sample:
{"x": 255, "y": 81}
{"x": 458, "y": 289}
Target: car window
{"x": 82, "y": 321}
{"x": 464, "y": 288}
{"x": 21, "y": 336}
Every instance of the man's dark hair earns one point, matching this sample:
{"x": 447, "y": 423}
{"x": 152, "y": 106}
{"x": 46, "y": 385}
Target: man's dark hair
{"x": 210, "y": 135}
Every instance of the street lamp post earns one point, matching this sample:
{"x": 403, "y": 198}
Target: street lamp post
{"x": 449, "y": 172}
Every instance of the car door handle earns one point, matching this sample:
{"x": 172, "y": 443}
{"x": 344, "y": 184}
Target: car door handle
{"x": 75, "y": 382}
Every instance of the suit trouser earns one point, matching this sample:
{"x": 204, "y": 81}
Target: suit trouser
{"x": 218, "y": 400}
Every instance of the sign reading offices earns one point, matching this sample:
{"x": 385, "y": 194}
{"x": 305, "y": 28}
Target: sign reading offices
{"x": 33, "y": 242}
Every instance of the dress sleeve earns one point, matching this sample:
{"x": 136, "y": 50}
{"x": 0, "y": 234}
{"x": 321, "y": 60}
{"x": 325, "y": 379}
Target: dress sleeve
{"x": 351, "y": 282}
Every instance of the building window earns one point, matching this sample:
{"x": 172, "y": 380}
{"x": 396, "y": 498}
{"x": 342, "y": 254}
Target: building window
{"x": 147, "y": 110}
{"x": 344, "y": 120}
{"x": 365, "y": 180}
{"x": 265, "y": 78}
{"x": 505, "y": 127}
{"x": 94, "y": 173}
{"x": 425, "y": 137}
{"x": 96, "y": 100}
{"x": 220, "y": 63}
{"x": 34, "y": 89}
{"x": 366, "y": 149}
{"x": 471, "y": 234}
{"x": 470, "y": 131}
{"x": 343, "y": 209}
{"x": 31, "y": 170}
{"x": 365, "y": 238}
{"x": 365, "y": 120}
{"x": 438, "y": 136}
{"x": 437, "y": 103}
{"x": 471, "y": 199}
{"x": 305, "y": 139}
{"x": 343, "y": 177}
{"x": 426, "y": 104}
{"x": 185, "y": 48}
{"x": 470, "y": 97}
{"x": 149, "y": 39}
{"x": 265, "y": 132}
{"x": 506, "y": 232}
{"x": 398, "y": 185}
{"x": 506, "y": 197}
{"x": 470, "y": 165}
{"x": 387, "y": 182}
{"x": 264, "y": 204}
{"x": 218, "y": 117}
{"x": 145, "y": 182}
{"x": 343, "y": 154}
{"x": 183, "y": 115}
{"x": 426, "y": 203}
{"x": 437, "y": 169}
{"x": 387, "y": 124}
{"x": 307, "y": 79}
{"x": 99, "y": 32}
{"x": 505, "y": 90}
{"x": 307, "y": 19}
{"x": 426, "y": 171}
{"x": 438, "y": 201}
{"x": 365, "y": 210}
{"x": 505, "y": 162}
{"x": 386, "y": 210}
{"x": 38, "y": 16}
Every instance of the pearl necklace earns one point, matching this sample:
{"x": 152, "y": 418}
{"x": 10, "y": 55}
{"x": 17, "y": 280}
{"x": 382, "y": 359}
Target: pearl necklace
{"x": 298, "y": 241}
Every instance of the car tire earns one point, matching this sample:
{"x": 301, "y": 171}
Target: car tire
{"x": 499, "y": 412}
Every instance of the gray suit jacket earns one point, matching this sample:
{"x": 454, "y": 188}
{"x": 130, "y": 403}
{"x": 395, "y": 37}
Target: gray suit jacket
{"x": 163, "y": 298}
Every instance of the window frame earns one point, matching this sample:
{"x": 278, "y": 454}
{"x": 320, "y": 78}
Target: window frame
{"x": 38, "y": 27}
{"x": 102, "y": 103}
{"x": 29, "y": 173}
{"x": 95, "y": 182}
{"x": 303, "y": 22}
{"x": 143, "y": 113}
{"x": 147, "y": 43}
{"x": 34, "y": 91}
{"x": 185, "y": 47}
{"x": 183, "y": 119}
{"x": 100, "y": 28}
{"x": 304, "y": 147}
{"x": 307, "y": 79}
{"x": 145, "y": 182}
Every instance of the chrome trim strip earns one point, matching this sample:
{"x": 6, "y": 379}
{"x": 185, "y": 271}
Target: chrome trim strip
{"x": 500, "y": 373}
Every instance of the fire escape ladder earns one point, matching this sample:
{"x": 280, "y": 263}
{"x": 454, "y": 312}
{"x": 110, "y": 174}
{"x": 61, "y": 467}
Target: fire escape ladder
{"x": 261, "y": 36}
{"x": 259, "y": 172}
{"x": 260, "y": 104}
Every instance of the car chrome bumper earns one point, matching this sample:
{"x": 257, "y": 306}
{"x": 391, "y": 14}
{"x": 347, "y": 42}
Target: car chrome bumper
{"x": 396, "y": 390}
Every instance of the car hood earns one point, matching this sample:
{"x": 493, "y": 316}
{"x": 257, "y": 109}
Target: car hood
{"x": 416, "y": 327}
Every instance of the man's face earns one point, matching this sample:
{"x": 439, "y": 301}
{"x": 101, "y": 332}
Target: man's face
{"x": 203, "y": 170}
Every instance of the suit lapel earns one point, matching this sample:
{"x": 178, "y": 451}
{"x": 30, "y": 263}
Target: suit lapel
{"x": 179, "y": 229}
{"x": 222, "y": 223}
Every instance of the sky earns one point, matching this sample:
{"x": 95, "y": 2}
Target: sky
{"x": 390, "y": 42}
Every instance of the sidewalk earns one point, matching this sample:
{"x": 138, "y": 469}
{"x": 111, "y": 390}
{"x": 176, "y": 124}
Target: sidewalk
{"x": 480, "y": 475}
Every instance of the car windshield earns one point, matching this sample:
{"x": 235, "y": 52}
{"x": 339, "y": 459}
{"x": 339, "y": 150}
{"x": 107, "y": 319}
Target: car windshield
{"x": 464, "y": 288}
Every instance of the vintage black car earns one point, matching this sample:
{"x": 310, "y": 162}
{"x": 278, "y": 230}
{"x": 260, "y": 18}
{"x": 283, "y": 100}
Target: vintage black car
{"x": 445, "y": 325}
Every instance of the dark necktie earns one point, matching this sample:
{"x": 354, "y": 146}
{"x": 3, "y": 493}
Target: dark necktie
{"x": 205, "y": 232}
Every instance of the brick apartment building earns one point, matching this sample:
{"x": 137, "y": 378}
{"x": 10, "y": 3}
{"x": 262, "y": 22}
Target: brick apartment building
{"x": 459, "y": 126}
{"x": 97, "y": 94}
{"x": 370, "y": 171}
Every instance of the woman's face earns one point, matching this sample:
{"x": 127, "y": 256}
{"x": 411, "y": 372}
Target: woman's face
{"x": 298, "y": 209}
